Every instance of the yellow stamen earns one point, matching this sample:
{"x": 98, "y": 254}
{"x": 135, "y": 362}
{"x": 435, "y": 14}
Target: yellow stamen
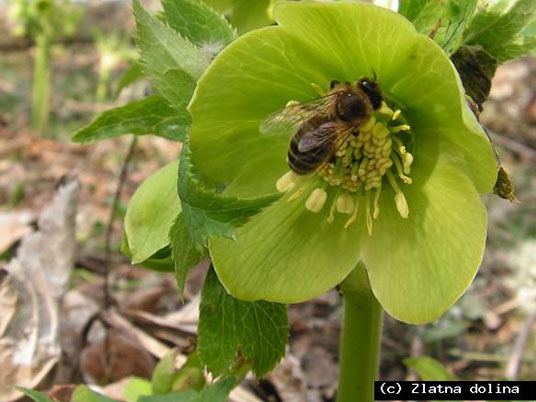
{"x": 403, "y": 127}
{"x": 369, "y": 124}
{"x": 316, "y": 200}
{"x": 399, "y": 169}
{"x": 384, "y": 109}
{"x": 318, "y": 89}
{"x": 354, "y": 215}
{"x": 368, "y": 216}
{"x": 295, "y": 195}
{"x": 345, "y": 204}
{"x": 396, "y": 114}
{"x": 402, "y": 205}
{"x": 362, "y": 166}
{"x": 380, "y": 130}
{"x": 331, "y": 216}
{"x": 376, "y": 211}
{"x": 287, "y": 181}
{"x": 407, "y": 160}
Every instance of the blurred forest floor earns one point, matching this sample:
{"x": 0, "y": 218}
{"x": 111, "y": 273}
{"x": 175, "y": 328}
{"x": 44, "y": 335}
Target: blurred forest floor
{"x": 476, "y": 339}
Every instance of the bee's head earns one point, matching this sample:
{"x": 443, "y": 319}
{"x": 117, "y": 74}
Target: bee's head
{"x": 372, "y": 90}
{"x": 351, "y": 106}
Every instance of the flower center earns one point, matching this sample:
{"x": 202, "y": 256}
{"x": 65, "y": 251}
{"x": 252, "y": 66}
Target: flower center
{"x": 374, "y": 156}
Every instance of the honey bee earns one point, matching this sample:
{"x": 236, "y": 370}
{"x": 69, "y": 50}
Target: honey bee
{"x": 321, "y": 126}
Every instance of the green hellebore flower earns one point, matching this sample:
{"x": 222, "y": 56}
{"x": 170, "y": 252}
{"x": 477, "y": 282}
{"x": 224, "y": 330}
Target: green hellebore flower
{"x": 415, "y": 218}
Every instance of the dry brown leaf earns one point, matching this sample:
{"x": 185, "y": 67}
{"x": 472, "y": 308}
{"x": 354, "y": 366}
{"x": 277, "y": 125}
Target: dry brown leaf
{"x": 31, "y": 288}
{"x": 13, "y": 227}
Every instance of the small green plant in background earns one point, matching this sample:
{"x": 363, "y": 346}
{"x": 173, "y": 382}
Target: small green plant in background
{"x": 396, "y": 221}
{"x": 43, "y": 21}
{"x": 112, "y": 51}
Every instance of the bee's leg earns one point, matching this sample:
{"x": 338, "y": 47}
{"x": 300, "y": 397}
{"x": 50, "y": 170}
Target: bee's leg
{"x": 319, "y": 90}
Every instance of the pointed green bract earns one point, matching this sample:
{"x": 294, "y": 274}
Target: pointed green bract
{"x": 458, "y": 14}
{"x": 151, "y": 212}
{"x": 199, "y": 23}
{"x": 151, "y": 115}
{"x": 234, "y": 332}
{"x": 184, "y": 252}
{"x": 498, "y": 27}
{"x": 172, "y": 62}
{"x": 208, "y": 214}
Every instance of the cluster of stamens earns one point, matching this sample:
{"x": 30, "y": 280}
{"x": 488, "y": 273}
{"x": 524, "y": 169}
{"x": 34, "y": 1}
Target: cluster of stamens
{"x": 372, "y": 157}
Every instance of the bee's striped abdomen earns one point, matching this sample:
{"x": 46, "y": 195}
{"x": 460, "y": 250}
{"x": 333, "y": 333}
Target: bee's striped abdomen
{"x": 319, "y": 133}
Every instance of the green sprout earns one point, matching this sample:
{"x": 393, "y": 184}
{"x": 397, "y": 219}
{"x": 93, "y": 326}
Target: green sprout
{"x": 43, "y": 21}
{"x": 112, "y": 50}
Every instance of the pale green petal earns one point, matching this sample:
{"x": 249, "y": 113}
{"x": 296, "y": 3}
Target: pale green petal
{"x": 245, "y": 84}
{"x": 418, "y": 267}
{"x": 151, "y": 212}
{"x": 287, "y": 253}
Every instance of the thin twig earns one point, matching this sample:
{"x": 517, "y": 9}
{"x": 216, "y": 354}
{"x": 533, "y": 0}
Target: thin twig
{"x": 108, "y": 238}
{"x": 514, "y": 364}
{"x": 517, "y": 147}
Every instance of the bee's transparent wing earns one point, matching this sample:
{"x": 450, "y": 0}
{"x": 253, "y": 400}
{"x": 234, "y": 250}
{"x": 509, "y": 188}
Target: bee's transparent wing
{"x": 285, "y": 121}
{"x": 325, "y": 134}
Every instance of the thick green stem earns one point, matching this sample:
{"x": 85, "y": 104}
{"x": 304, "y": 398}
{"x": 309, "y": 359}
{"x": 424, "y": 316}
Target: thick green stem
{"x": 360, "y": 339}
{"x": 41, "y": 84}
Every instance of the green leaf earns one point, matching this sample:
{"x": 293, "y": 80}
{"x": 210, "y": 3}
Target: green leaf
{"x": 199, "y": 23}
{"x": 151, "y": 212}
{"x": 159, "y": 261}
{"x": 208, "y": 214}
{"x": 429, "y": 369}
{"x": 82, "y": 393}
{"x": 458, "y": 14}
{"x": 164, "y": 373}
{"x": 191, "y": 375}
{"x": 183, "y": 251}
{"x": 497, "y": 27}
{"x": 34, "y": 395}
{"x": 186, "y": 396}
{"x": 217, "y": 392}
{"x": 423, "y": 13}
{"x": 231, "y": 330}
{"x": 172, "y": 62}
{"x": 136, "y": 388}
{"x": 151, "y": 115}
{"x": 132, "y": 74}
